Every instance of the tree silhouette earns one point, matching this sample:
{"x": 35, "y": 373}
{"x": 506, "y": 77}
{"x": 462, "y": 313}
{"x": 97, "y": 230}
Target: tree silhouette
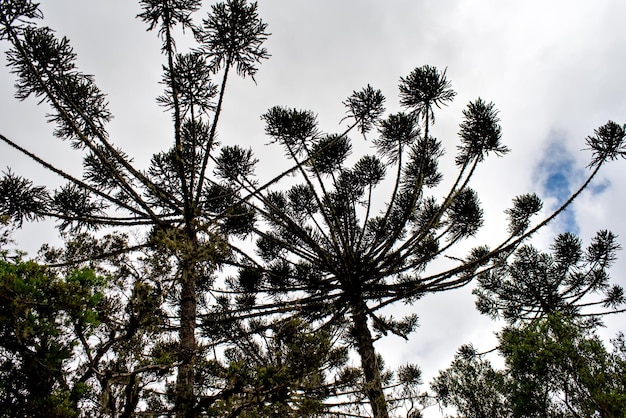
{"x": 330, "y": 251}
{"x": 536, "y": 284}
{"x": 190, "y": 216}
{"x": 334, "y": 246}
{"x": 555, "y": 364}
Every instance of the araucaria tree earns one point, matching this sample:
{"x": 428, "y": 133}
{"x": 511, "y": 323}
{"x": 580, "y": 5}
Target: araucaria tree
{"x": 333, "y": 250}
{"x": 336, "y": 248}
{"x": 189, "y": 216}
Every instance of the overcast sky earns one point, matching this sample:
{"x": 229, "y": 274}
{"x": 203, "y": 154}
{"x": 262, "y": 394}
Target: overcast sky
{"x": 554, "y": 69}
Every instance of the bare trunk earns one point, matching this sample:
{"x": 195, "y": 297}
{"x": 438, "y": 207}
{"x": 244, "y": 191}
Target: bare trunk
{"x": 369, "y": 363}
{"x": 185, "y": 398}
{"x": 132, "y": 397}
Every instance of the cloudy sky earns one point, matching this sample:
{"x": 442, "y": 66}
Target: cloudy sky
{"x": 554, "y": 69}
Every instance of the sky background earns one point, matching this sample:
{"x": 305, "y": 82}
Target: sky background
{"x": 555, "y": 70}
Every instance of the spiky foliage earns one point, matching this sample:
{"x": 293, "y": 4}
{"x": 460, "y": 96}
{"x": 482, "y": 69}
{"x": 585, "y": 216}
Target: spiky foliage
{"x": 334, "y": 246}
{"x": 331, "y": 246}
{"x": 472, "y": 386}
{"x": 187, "y": 213}
{"x": 555, "y": 364}
{"x": 569, "y": 280}
{"x": 280, "y": 368}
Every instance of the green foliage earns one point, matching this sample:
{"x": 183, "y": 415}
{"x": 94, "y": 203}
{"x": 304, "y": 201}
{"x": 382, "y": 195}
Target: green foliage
{"x": 554, "y": 367}
{"x": 555, "y": 364}
{"x": 39, "y": 313}
{"x": 472, "y": 386}
{"x": 188, "y": 214}
{"x": 369, "y": 249}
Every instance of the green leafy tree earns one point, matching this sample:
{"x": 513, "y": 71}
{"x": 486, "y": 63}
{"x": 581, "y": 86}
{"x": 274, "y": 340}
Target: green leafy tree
{"x": 123, "y": 363}
{"x": 559, "y": 367}
{"x": 335, "y": 246}
{"x": 555, "y": 364}
{"x": 45, "y": 321}
{"x": 472, "y": 386}
{"x": 73, "y": 337}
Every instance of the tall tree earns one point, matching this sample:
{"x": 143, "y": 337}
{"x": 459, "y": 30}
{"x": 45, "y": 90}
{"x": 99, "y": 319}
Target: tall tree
{"x": 189, "y": 215}
{"x": 327, "y": 249}
{"x": 332, "y": 248}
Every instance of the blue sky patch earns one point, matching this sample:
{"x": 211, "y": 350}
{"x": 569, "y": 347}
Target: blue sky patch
{"x": 598, "y": 187}
{"x": 557, "y": 174}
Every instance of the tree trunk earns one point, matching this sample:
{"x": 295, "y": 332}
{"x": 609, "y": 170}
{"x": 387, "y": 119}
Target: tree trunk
{"x": 132, "y": 397}
{"x": 185, "y": 398}
{"x": 369, "y": 363}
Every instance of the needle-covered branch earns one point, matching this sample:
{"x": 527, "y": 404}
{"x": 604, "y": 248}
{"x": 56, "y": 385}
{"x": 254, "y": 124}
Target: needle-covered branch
{"x": 368, "y": 260}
